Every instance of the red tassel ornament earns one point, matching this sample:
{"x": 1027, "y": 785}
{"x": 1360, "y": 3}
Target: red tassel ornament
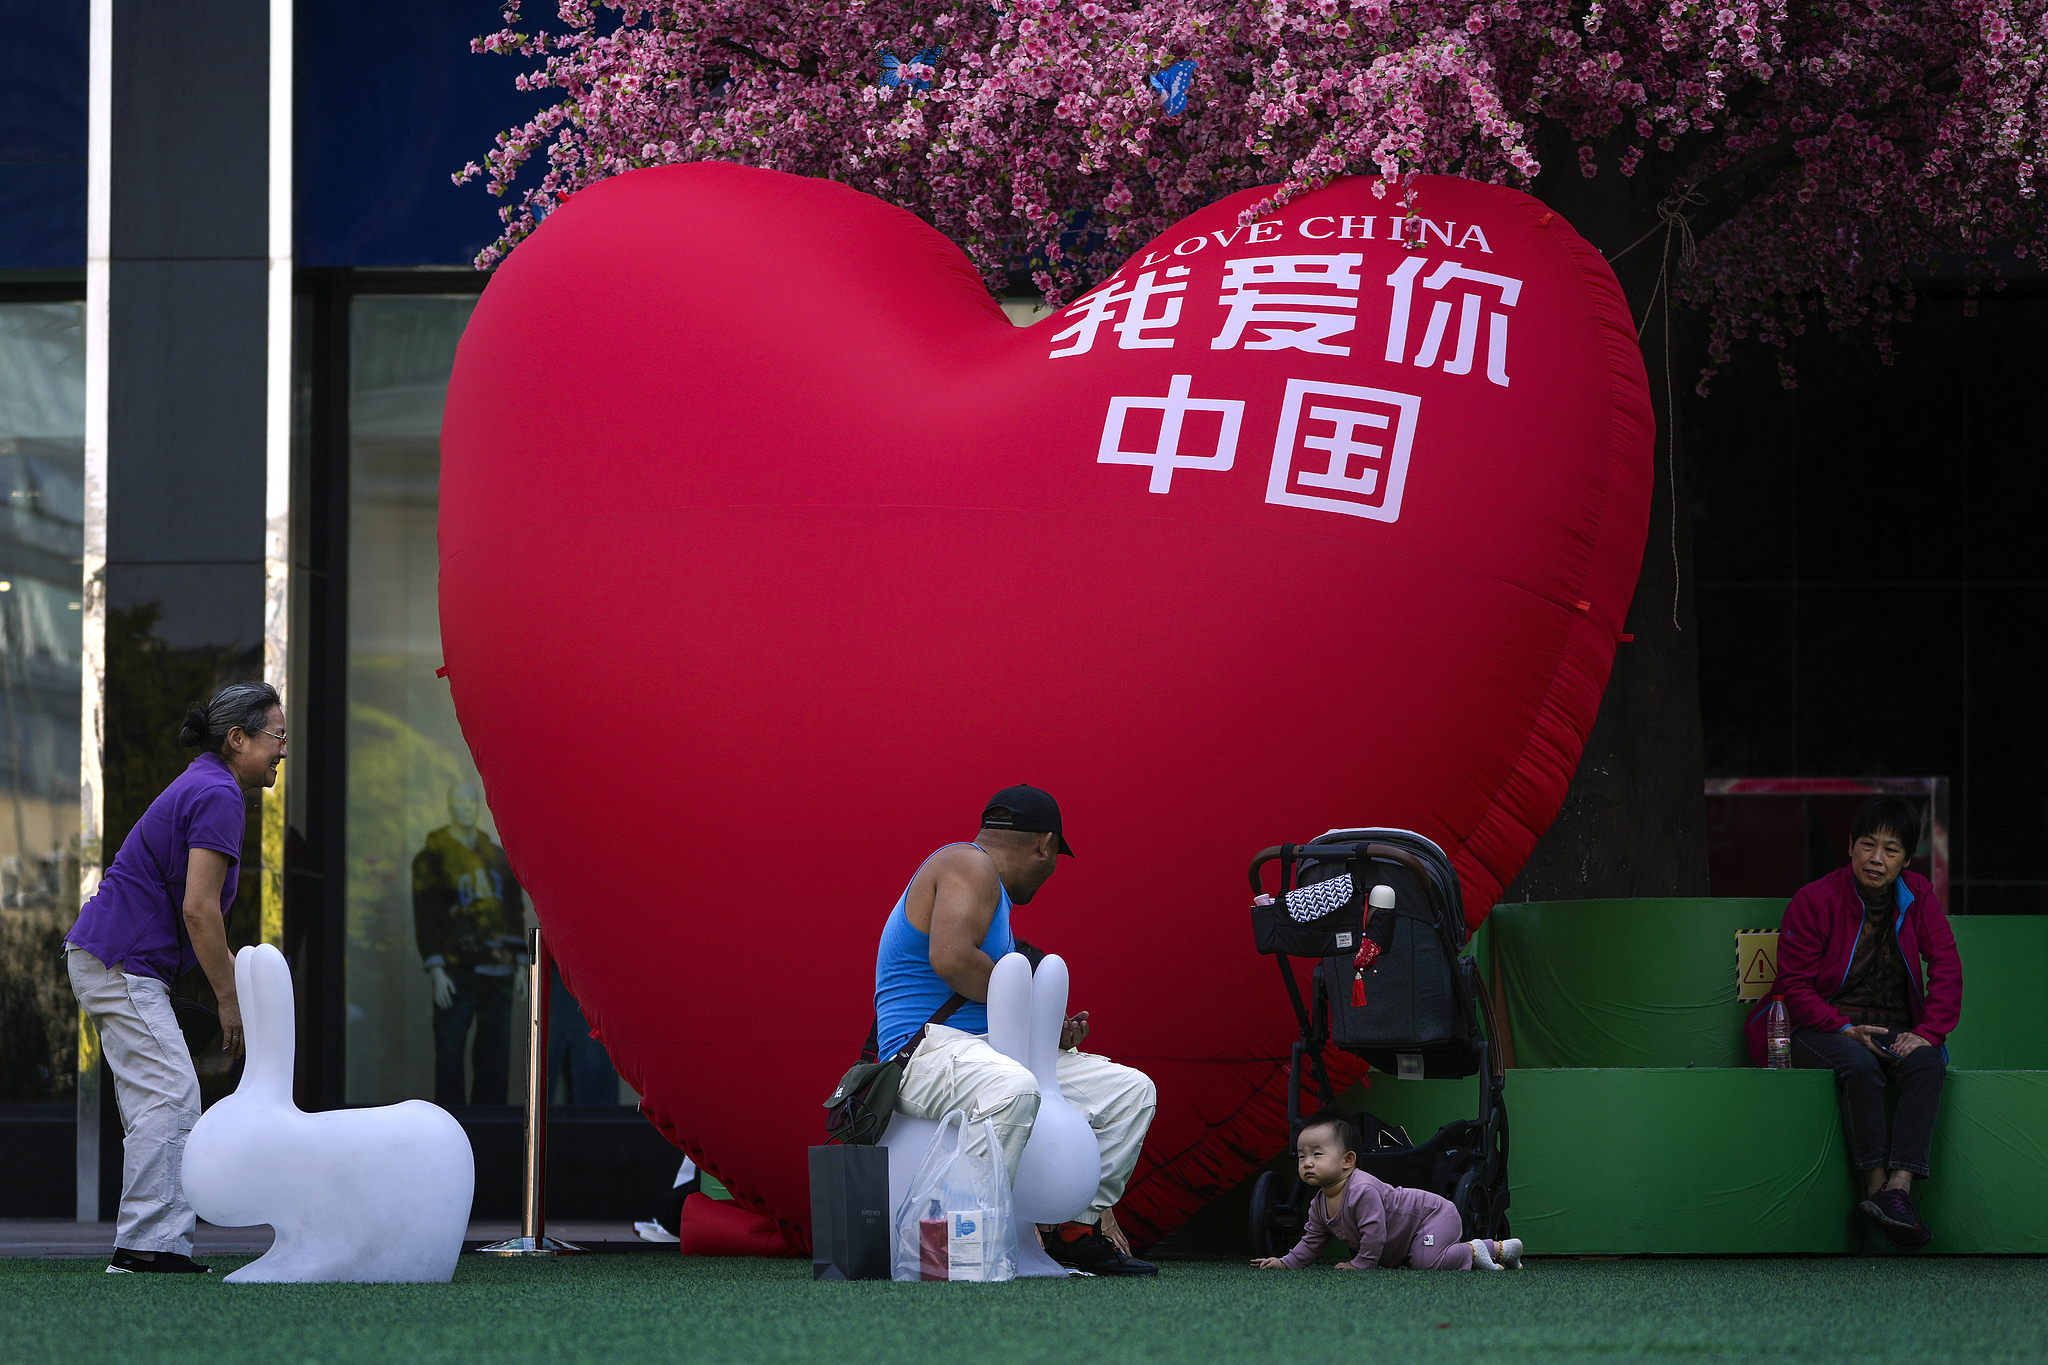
{"x": 1368, "y": 951}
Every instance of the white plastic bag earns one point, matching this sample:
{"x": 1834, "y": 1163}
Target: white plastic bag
{"x": 957, "y": 1222}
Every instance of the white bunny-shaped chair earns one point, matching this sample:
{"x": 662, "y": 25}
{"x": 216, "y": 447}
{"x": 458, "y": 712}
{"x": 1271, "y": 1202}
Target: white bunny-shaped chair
{"x": 1062, "y": 1164}
{"x": 372, "y": 1195}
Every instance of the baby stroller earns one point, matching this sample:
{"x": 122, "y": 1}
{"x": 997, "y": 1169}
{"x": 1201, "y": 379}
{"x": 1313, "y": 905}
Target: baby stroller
{"x": 1421, "y": 1016}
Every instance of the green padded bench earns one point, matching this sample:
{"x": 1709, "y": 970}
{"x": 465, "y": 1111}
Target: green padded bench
{"x": 1638, "y": 1124}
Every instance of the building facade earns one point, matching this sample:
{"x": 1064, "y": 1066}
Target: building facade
{"x": 233, "y": 271}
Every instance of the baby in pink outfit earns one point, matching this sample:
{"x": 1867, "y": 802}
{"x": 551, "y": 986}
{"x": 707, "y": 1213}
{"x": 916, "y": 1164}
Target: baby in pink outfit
{"x": 1389, "y": 1225}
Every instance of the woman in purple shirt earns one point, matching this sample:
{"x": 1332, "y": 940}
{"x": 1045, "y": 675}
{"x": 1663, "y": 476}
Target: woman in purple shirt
{"x": 159, "y": 911}
{"x": 1387, "y": 1225}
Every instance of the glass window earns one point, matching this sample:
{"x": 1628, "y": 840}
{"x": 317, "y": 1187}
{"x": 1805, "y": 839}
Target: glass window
{"x": 42, "y": 537}
{"x": 436, "y": 922}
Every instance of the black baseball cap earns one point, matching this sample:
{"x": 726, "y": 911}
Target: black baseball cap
{"x": 1027, "y": 809}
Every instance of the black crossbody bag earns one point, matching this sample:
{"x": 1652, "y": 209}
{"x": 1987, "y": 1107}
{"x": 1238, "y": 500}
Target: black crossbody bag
{"x": 857, "y": 1113}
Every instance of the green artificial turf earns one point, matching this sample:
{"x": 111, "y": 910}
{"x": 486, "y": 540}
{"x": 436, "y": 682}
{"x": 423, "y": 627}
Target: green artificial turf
{"x": 652, "y": 1308}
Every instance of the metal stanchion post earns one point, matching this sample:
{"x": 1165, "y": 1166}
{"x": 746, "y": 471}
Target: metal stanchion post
{"x": 534, "y": 1240}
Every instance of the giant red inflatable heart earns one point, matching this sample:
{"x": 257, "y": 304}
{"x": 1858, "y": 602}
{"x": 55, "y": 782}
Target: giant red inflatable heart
{"x": 770, "y": 548}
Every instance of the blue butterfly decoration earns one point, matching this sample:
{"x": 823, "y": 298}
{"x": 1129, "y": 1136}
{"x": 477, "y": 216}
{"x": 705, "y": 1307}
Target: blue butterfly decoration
{"x": 892, "y": 69}
{"x": 1172, "y": 85}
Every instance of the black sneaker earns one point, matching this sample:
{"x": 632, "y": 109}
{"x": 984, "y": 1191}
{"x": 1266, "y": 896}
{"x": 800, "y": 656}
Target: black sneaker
{"x": 165, "y": 1263}
{"x": 1895, "y": 1216}
{"x": 1077, "y": 1246}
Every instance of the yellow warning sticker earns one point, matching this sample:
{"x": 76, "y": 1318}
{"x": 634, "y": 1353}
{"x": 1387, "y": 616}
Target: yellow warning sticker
{"x": 1756, "y": 963}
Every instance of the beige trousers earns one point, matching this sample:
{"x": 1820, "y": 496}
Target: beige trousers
{"x": 956, "y": 1070}
{"x": 158, "y": 1092}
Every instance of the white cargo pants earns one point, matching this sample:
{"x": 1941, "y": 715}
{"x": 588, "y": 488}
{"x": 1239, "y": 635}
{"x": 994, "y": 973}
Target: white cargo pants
{"x": 952, "y": 1069}
{"x": 158, "y": 1092}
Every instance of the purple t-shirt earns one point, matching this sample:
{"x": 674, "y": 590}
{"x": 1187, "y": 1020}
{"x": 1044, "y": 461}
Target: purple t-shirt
{"x": 134, "y": 921}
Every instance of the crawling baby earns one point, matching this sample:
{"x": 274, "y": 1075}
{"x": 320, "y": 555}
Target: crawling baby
{"x": 1388, "y": 1224}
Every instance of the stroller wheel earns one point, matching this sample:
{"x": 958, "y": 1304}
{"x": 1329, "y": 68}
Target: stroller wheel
{"x": 1275, "y": 1222}
{"x": 1474, "y": 1203}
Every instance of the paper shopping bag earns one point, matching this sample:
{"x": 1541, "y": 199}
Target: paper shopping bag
{"x": 850, "y": 1213}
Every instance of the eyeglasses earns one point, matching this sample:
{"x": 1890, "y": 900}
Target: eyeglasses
{"x": 277, "y": 735}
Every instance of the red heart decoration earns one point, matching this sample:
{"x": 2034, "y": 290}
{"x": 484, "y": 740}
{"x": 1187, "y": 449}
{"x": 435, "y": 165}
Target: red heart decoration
{"x": 770, "y": 548}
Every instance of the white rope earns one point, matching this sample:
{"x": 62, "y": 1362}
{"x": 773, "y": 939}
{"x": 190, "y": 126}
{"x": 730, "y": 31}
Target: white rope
{"x": 1673, "y": 212}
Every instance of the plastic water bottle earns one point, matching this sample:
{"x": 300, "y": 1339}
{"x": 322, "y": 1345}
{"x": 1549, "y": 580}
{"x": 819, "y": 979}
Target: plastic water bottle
{"x": 1778, "y": 1036}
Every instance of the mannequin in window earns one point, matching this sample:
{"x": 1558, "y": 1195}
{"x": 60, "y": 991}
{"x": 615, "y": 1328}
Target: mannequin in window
{"x": 470, "y": 916}
{"x": 579, "y": 1070}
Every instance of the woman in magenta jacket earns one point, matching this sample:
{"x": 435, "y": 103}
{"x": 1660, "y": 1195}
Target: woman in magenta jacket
{"x": 1849, "y": 966}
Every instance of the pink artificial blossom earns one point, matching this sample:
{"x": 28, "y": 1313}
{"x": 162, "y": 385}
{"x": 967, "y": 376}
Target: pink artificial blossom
{"x": 1891, "y": 130}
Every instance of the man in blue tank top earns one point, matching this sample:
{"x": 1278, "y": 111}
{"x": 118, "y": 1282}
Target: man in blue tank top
{"x": 945, "y": 935}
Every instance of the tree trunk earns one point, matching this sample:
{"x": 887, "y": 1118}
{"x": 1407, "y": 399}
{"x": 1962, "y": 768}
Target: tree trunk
{"x": 1634, "y": 819}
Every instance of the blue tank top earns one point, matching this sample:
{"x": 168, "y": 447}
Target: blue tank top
{"x": 908, "y": 992}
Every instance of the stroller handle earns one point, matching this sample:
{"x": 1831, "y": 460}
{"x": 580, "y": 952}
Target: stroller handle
{"x": 1334, "y": 852}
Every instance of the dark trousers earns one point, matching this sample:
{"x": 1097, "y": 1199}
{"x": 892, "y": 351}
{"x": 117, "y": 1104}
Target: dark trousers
{"x": 591, "y": 1078}
{"x": 486, "y": 1000}
{"x": 1860, "y": 1080}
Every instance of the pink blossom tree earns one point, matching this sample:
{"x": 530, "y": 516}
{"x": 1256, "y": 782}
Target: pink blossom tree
{"x": 1770, "y": 163}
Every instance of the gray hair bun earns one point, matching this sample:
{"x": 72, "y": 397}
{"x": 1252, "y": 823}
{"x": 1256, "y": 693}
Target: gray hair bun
{"x": 246, "y": 704}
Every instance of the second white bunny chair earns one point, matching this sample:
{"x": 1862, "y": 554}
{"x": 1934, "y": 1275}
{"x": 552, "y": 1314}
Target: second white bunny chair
{"x": 368, "y": 1195}
{"x": 1062, "y": 1163}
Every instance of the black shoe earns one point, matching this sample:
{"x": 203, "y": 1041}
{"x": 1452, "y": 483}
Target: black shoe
{"x": 166, "y": 1263}
{"x": 1895, "y": 1215}
{"x": 667, "y": 1211}
{"x": 1089, "y": 1250}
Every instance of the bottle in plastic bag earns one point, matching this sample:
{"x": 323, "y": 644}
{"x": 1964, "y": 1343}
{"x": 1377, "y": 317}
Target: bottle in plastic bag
{"x": 1778, "y": 1036}
{"x": 932, "y": 1261}
{"x": 957, "y": 1222}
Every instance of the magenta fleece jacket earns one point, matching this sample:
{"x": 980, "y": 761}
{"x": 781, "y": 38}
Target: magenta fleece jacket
{"x": 1817, "y": 942}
